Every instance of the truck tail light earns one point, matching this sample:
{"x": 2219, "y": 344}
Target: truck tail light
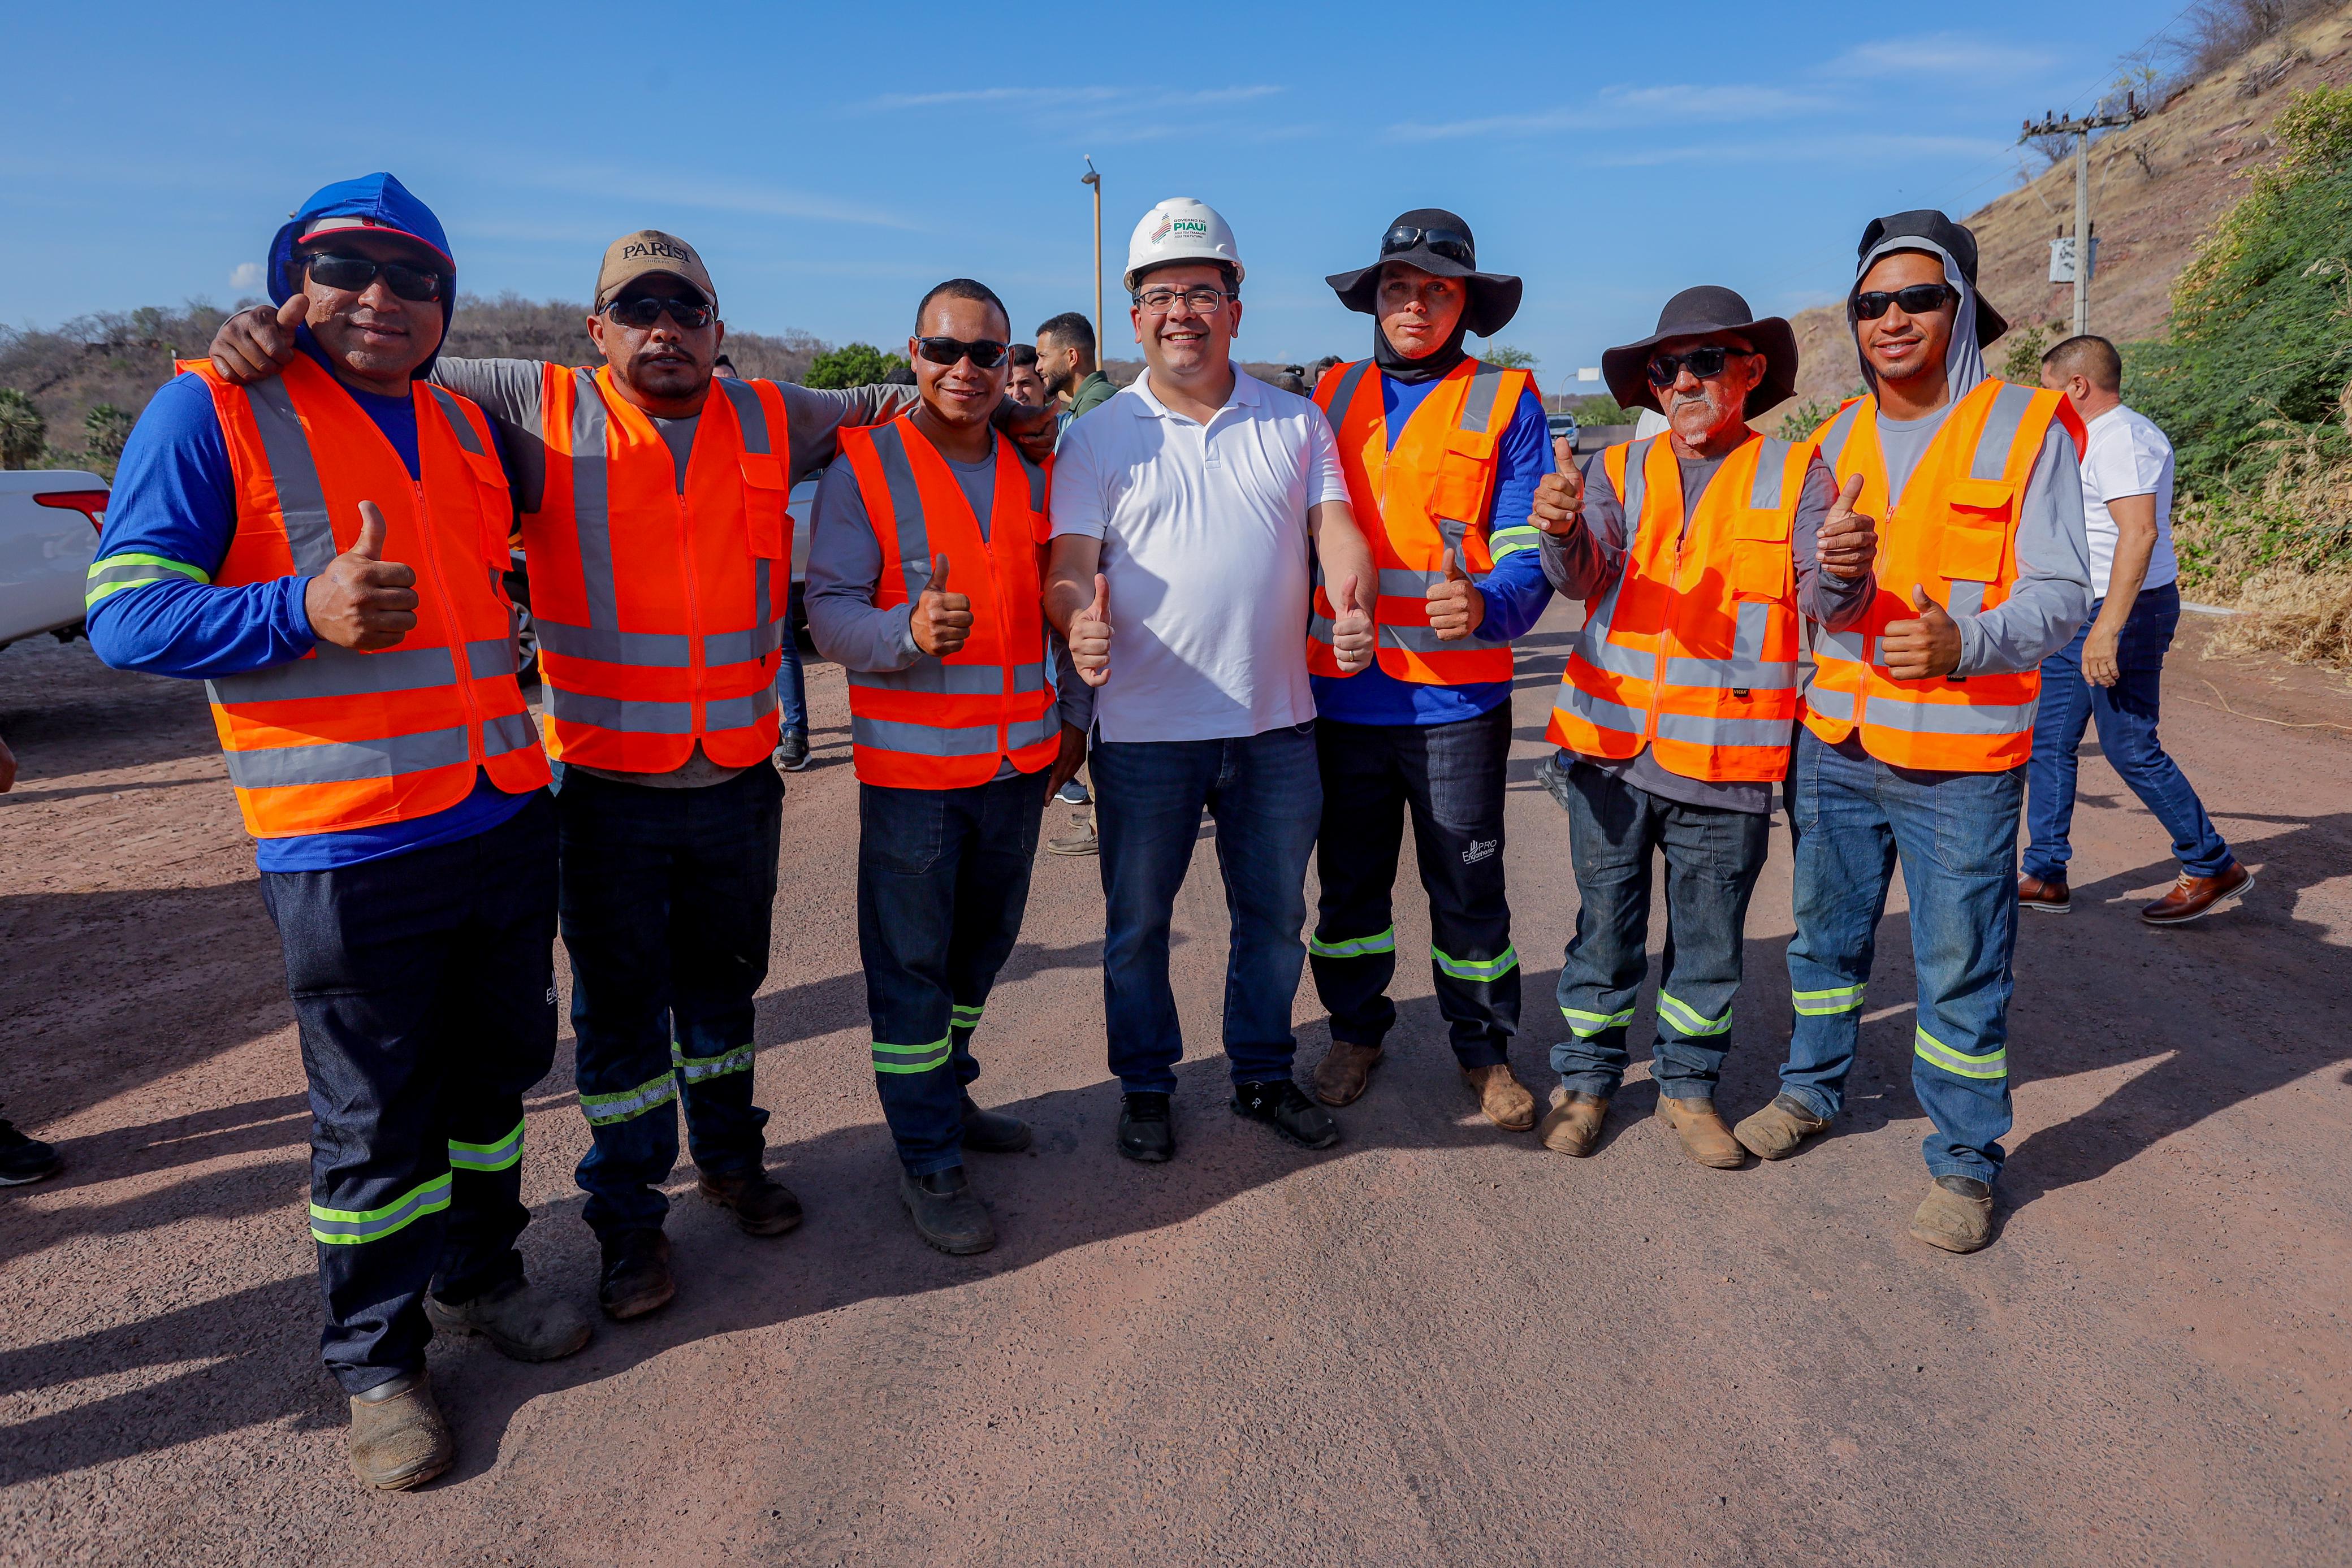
{"x": 90, "y": 504}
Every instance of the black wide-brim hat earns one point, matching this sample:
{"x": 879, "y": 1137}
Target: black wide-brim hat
{"x": 1494, "y": 296}
{"x": 1695, "y": 313}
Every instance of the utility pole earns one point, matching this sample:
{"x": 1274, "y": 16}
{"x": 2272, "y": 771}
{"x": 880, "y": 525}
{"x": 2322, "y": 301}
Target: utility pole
{"x": 1094, "y": 178}
{"x": 2080, "y": 129}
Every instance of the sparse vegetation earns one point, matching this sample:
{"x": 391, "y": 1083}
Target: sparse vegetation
{"x": 1504, "y": 357}
{"x": 1805, "y": 418}
{"x": 852, "y": 365}
{"x": 23, "y": 434}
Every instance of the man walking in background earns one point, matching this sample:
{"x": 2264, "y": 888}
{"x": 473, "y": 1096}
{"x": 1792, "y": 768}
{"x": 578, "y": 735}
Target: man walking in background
{"x": 1194, "y": 500}
{"x": 2113, "y": 672}
{"x": 1065, "y": 362}
{"x": 1441, "y": 456}
{"x": 925, "y": 584}
{"x": 325, "y": 552}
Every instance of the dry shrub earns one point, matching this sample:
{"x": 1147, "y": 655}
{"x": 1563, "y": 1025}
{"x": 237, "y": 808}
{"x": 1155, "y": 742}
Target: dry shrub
{"x": 2302, "y": 617}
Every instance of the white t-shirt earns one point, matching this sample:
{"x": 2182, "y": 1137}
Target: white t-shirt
{"x": 1205, "y": 546}
{"x": 2127, "y": 455}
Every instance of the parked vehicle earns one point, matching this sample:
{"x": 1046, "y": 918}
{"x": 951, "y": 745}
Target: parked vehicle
{"x": 1562, "y": 425}
{"x": 49, "y": 537}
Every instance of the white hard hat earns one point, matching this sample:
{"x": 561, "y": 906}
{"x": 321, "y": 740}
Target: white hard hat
{"x": 1181, "y": 229}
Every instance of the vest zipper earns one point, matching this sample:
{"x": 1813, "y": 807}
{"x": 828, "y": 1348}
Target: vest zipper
{"x": 1666, "y": 627}
{"x": 693, "y": 626}
{"x": 461, "y": 664}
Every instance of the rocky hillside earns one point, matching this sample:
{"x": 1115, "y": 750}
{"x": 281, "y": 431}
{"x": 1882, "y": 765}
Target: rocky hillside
{"x": 2155, "y": 187}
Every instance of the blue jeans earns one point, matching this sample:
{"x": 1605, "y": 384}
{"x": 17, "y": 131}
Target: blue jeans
{"x": 1266, "y": 795}
{"x": 792, "y": 684}
{"x": 666, "y": 900}
{"x": 2127, "y": 714}
{"x": 1713, "y": 857}
{"x": 942, "y": 880}
{"x": 1955, "y": 836}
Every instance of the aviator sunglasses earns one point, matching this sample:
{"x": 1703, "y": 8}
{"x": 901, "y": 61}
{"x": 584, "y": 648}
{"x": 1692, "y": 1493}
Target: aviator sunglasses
{"x": 643, "y": 310}
{"x": 986, "y": 353}
{"x": 1916, "y": 301}
{"x": 353, "y": 273}
{"x": 1702, "y": 362}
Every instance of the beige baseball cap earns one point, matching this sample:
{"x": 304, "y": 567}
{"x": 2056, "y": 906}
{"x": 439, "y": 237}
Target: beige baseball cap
{"x": 634, "y": 255}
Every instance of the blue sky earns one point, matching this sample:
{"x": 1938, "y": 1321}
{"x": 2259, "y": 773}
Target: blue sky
{"x": 833, "y": 163}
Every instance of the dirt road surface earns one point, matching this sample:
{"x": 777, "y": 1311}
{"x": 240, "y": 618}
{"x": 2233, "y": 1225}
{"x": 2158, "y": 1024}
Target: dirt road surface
{"x": 1435, "y": 1344}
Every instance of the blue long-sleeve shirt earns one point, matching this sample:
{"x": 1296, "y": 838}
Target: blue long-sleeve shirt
{"x": 1516, "y": 590}
{"x": 174, "y": 504}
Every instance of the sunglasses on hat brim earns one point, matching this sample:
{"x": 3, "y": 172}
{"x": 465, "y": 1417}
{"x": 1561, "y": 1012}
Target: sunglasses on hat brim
{"x": 1452, "y": 244}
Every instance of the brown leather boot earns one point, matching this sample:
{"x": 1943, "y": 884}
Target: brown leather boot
{"x": 1344, "y": 1071}
{"x": 2195, "y": 896}
{"x": 1504, "y": 1098}
{"x": 1956, "y": 1215}
{"x": 1774, "y": 1133}
{"x": 1705, "y": 1137}
{"x": 1572, "y": 1125}
{"x": 2048, "y": 895}
{"x": 398, "y": 1439}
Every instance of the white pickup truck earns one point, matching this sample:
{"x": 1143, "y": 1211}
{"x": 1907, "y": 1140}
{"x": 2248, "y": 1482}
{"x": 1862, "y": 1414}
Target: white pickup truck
{"x": 49, "y": 537}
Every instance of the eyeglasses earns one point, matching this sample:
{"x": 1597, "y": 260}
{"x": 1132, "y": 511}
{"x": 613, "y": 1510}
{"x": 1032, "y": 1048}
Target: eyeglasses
{"x": 353, "y": 274}
{"x": 642, "y": 311}
{"x": 1666, "y": 370}
{"x": 1200, "y": 300}
{"x": 1451, "y": 244}
{"x": 1919, "y": 299}
{"x": 986, "y": 353}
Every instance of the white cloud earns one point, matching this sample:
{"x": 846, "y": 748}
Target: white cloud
{"x": 246, "y": 275}
{"x": 1063, "y": 100}
{"x": 1943, "y": 54}
{"x": 1639, "y": 109}
{"x": 743, "y": 197}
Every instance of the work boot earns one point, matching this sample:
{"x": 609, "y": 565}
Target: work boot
{"x": 636, "y": 1274}
{"x": 2193, "y": 896}
{"x": 1504, "y": 1099}
{"x": 763, "y": 1207}
{"x": 522, "y": 1321}
{"x": 993, "y": 1132}
{"x": 1572, "y": 1125}
{"x": 1705, "y": 1137}
{"x": 1956, "y": 1215}
{"x": 1345, "y": 1070}
{"x": 24, "y": 1159}
{"x": 2047, "y": 895}
{"x": 398, "y": 1439}
{"x": 1279, "y": 1103}
{"x": 1147, "y": 1129}
{"x": 1774, "y": 1133}
{"x": 947, "y": 1213}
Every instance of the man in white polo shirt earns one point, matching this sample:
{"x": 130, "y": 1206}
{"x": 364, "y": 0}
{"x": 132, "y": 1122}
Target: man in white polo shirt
{"x": 2114, "y": 670}
{"x": 1185, "y": 510}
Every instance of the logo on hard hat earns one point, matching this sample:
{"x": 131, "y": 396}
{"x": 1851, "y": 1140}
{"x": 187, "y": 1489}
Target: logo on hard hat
{"x": 1179, "y": 226}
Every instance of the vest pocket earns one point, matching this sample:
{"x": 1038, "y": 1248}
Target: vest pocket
{"x": 495, "y": 504}
{"x": 1464, "y": 470}
{"x": 767, "y": 489}
{"x": 1976, "y": 529}
{"x": 1763, "y": 566}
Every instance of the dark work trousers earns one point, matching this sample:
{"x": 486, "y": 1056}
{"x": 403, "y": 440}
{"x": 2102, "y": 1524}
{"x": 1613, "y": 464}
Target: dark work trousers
{"x": 1450, "y": 778}
{"x": 668, "y": 900}
{"x": 1713, "y": 857}
{"x": 942, "y": 879}
{"x": 424, "y": 987}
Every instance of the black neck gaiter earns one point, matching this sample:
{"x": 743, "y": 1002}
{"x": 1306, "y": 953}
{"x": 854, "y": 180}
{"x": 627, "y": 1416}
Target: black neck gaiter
{"x": 1397, "y": 366}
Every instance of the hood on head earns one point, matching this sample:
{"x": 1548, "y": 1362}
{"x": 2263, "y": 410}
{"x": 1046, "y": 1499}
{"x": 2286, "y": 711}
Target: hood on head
{"x": 382, "y": 203}
{"x": 1975, "y": 324}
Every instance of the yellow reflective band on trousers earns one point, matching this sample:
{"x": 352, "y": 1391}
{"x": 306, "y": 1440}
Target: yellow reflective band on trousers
{"x": 1837, "y": 999}
{"x": 1355, "y": 946}
{"x": 1584, "y": 1026}
{"x": 1477, "y": 971}
{"x": 1685, "y": 1017}
{"x": 502, "y": 1154}
{"x": 698, "y": 1068}
{"x": 1934, "y": 1051}
{"x": 131, "y": 569}
{"x": 348, "y": 1226}
{"x": 604, "y": 1110}
{"x": 912, "y": 1058}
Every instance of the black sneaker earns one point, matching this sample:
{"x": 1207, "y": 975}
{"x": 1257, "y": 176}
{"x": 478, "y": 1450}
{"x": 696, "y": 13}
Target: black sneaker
{"x": 1147, "y": 1130}
{"x": 24, "y": 1159}
{"x": 948, "y": 1215}
{"x": 993, "y": 1132}
{"x": 1283, "y": 1106}
{"x": 636, "y": 1279}
{"x": 792, "y": 751}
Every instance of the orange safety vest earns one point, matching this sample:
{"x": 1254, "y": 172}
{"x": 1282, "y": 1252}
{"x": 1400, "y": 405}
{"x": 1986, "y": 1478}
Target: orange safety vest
{"x": 949, "y": 723}
{"x": 1955, "y": 534}
{"x": 1693, "y": 650}
{"x": 339, "y": 739}
{"x": 660, "y": 615}
{"x": 1431, "y": 493}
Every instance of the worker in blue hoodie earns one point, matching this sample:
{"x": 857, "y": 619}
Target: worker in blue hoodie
{"x": 324, "y": 552}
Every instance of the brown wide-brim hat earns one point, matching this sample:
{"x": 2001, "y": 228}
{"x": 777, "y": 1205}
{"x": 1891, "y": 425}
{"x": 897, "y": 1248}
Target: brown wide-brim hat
{"x": 1494, "y": 296}
{"x": 1695, "y": 313}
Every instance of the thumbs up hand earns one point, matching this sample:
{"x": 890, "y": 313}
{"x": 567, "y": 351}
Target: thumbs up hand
{"x": 1351, "y": 629}
{"x": 1558, "y": 506}
{"x": 1847, "y": 544}
{"x": 1922, "y": 650}
{"x": 1091, "y": 636}
{"x": 941, "y": 621}
{"x": 1455, "y": 606}
{"x": 255, "y": 345}
{"x": 361, "y": 601}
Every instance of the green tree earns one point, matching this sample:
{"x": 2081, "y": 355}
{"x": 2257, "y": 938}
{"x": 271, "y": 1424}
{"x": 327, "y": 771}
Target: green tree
{"x": 23, "y": 434}
{"x": 2022, "y": 362}
{"x": 851, "y": 365}
{"x": 104, "y": 430}
{"x": 1502, "y": 356}
{"x": 1600, "y": 409}
{"x": 1806, "y": 417}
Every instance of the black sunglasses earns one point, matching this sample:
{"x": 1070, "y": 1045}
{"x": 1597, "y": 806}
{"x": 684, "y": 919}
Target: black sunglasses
{"x": 1451, "y": 244}
{"x": 642, "y": 311}
{"x": 1703, "y": 362}
{"x": 353, "y": 273}
{"x": 1918, "y": 299}
{"x": 986, "y": 353}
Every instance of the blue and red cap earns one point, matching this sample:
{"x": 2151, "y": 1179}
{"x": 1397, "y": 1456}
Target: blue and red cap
{"x": 372, "y": 203}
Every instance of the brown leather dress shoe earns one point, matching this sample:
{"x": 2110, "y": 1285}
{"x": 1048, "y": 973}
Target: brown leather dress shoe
{"x": 1504, "y": 1099}
{"x": 1344, "y": 1071}
{"x": 2050, "y": 897}
{"x": 2192, "y": 896}
{"x": 1705, "y": 1137}
{"x": 1572, "y": 1125}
